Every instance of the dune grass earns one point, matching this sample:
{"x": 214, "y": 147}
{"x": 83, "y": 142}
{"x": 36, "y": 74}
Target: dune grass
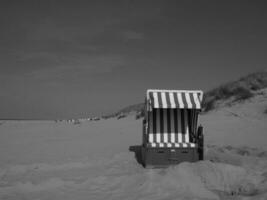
{"x": 239, "y": 90}
{"x": 225, "y": 92}
{"x": 235, "y": 91}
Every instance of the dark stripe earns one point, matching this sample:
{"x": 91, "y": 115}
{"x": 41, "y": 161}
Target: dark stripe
{"x": 150, "y": 122}
{"x": 194, "y": 105}
{"x": 161, "y": 125}
{"x": 168, "y": 120}
{"x": 172, "y": 120}
{"x": 183, "y": 124}
{"x": 169, "y": 124}
{"x": 176, "y": 100}
{"x": 154, "y": 121}
{"x": 195, "y": 120}
{"x": 158, "y": 120}
{"x": 176, "y": 125}
{"x": 159, "y": 99}
{"x": 167, "y": 94}
{"x": 190, "y": 119}
{"x": 184, "y": 100}
{"x": 175, "y": 120}
{"x": 190, "y": 123}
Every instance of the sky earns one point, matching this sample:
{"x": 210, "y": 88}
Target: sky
{"x": 68, "y": 59}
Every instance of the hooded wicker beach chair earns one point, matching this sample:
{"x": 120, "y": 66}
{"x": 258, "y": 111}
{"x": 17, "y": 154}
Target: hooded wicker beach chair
{"x": 170, "y": 132}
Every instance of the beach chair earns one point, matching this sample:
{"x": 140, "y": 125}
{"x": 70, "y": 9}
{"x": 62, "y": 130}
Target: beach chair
{"x": 170, "y": 132}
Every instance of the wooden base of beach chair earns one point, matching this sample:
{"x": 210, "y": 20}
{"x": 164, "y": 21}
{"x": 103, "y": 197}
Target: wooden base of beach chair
{"x": 163, "y": 157}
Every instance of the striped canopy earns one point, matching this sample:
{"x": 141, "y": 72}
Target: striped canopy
{"x": 183, "y": 99}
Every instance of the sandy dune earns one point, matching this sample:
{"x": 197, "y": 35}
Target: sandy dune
{"x": 48, "y": 160}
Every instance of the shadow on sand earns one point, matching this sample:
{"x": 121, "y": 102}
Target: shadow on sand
{"x": 137, "y": 151}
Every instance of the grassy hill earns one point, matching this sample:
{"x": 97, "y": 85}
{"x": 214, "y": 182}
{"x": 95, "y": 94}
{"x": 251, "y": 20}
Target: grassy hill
{"x": 228, "y": 93}
{"x": 235, "y": 91}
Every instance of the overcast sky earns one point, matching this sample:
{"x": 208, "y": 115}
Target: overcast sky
{"x": 63, "y": 59}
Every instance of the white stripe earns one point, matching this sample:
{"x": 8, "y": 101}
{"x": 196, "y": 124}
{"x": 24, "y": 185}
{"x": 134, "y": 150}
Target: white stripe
{"x": 184, "y": 145}
{"x": 156, "y": 101}
{"x": 165, "y": 137}
{"x": 187, "y": 136}
{"x": 186, "y": 128}
{"x": 188, "y": 100}
{"x": 196, "y": 100}
{"x": 164, "y": 101}
{"x": 150, "y": 137}
{"x": 180, "y": 138}
{"x": 180, "y": 100}
{"x": 171, "y": 144}
{"x": 172, "y": 100}
{"x": 158, "y": 137}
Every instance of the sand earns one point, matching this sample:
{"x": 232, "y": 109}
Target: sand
{"x": 91, "y": 160}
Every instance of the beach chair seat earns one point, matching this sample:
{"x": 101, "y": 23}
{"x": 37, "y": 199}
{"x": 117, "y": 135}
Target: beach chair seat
{"x": 170, "y": 126}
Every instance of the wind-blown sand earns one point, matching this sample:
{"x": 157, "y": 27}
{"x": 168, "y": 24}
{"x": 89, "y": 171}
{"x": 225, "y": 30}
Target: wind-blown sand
{"x": 48, "y": 160}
